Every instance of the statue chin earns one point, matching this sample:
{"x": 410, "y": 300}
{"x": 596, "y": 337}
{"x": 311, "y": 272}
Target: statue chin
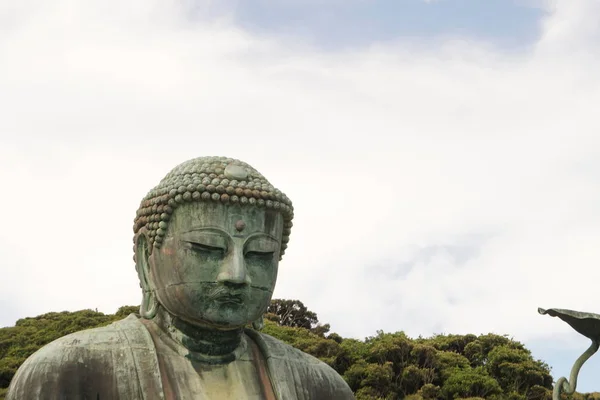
{"x": 196, "y": 308}
{"x": 213, "y": 323}
{"x": 221, "y": 316}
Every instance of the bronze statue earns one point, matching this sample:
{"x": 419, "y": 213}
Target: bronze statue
{"x": 207, "y": 244}
{"x": 588, "y": 325}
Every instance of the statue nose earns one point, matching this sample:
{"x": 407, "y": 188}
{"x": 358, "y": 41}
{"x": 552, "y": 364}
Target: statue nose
{"x": 233, "y": 270}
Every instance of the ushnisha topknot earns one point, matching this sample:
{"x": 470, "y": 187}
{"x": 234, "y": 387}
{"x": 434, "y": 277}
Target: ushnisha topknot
{"x": 211, "y": 179}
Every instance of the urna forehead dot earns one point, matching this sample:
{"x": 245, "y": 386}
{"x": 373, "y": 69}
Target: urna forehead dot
{"x": 240, "y": 225}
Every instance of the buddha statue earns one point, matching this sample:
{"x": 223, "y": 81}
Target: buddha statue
{"x": 207, "y": 245}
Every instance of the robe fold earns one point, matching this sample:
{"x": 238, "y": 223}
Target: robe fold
{"x": 120, "y": 361}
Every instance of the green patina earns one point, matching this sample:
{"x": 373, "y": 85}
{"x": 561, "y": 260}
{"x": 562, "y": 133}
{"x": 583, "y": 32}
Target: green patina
{"x": 207, "y": 241}
{"x": 588, "y": 325}
{"x": 210, "y": 179}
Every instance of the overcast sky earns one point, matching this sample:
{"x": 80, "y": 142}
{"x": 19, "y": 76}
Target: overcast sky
{"x": 443, "y": 156}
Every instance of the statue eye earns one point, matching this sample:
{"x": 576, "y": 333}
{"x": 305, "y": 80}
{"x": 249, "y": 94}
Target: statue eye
{"x": 259, "y": 253}
{"x": 260, "y": 248}
{"x": 204, "y": 248}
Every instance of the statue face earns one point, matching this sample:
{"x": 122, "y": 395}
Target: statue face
{"x": 218, "y": 264}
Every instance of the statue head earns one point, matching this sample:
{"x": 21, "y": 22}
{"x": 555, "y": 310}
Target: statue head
{"x": 207, "y": 243}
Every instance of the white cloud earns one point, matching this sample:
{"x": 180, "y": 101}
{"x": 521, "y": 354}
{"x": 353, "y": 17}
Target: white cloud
{"x": 394, "y": 155}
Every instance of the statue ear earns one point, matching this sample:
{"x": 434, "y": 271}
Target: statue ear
{"x": 259, "y": 324}
{"x": 149, "y": 304}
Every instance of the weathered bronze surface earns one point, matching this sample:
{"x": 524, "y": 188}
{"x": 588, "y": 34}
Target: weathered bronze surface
{"x": 207, "y": 244}
{"x": 588, "y": 325}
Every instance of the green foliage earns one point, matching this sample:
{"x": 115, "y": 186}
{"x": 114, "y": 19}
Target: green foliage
{"x": 393, "y": 366}
{"x": 515, "y": 370}
{"x": 124, "y": 311}
{"x": 293, "y": 313}
{"x": 430, "y": 391}
{"x": 387, "y": 366}
{"x": 470, "y": 382}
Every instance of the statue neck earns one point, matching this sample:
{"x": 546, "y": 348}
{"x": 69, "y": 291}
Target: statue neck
{"x": 204, "y": 344}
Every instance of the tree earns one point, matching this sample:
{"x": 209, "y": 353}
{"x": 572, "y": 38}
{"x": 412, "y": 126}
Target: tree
{"x": 470, "y": 382}
{"x": 124, "y": 311}
{"x": 371, "y": 380}
{"x": 292, "y": 313}
{"x": 515, "y": 370}
{"x": 387, "y": 366}
{"x": 430, "y": 392}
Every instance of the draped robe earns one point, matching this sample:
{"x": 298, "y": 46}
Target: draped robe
{"x": 124, "y": 361}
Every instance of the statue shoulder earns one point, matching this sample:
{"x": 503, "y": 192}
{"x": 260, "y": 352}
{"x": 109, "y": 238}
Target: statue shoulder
{"x": 307, "y": 373}
{"x": 84, "y": 364}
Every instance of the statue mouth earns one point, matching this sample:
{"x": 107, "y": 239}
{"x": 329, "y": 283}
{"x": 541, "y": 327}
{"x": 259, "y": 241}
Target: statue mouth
{"x": 230, "y": 296}
{"x": 237, "y": 299}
